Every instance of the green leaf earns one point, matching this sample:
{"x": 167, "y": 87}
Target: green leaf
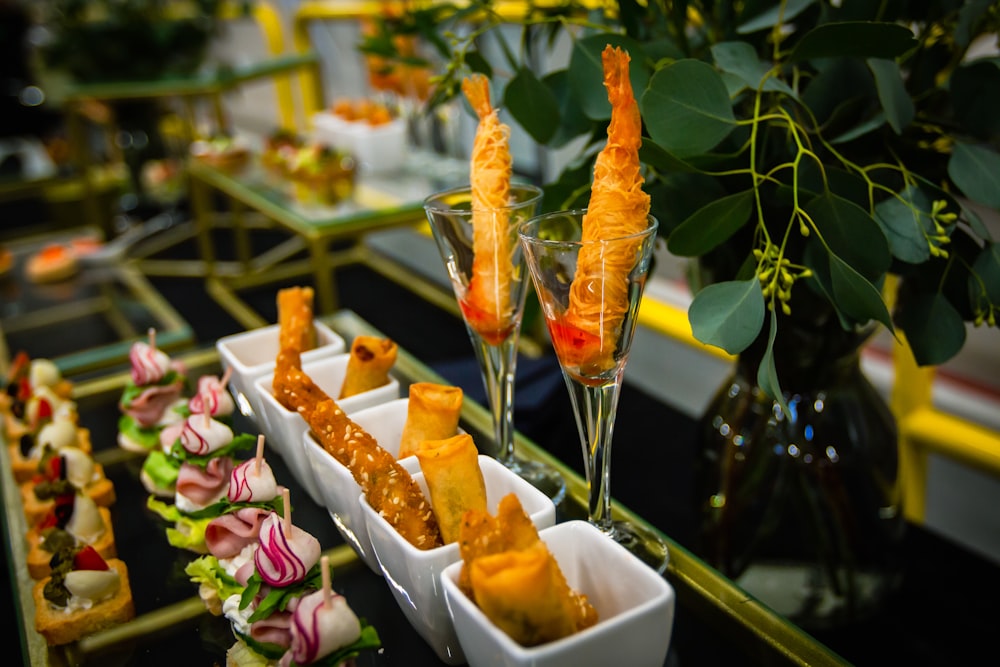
{"x": 860, "y": 130}
{"x": 976, "y": 171}
{"x": 740, "y": 59}
{"x": 905, "y": 222}
{"x": 658, "y": 158}
{"x": 985, "y": 281}
{"x": 860, "y": 39}
{"x": 933, "y": 328}
{"x": 711, "y": 225}
{"x": 687, "y": 109}
{"x": 767, "y": 372}
{"x": 855, "y": 296}
{"x": 974, "y": 89}
{"x": 677, "y": 195}
{"x": 533, "y": 105}
{"x": 786, "y": 11}
{"x": 573, "y": 123}
{"x": 851, "y": 234}
{"x": 728, "y": 314}
{"x": 892, "y": 93}
{"x": 586, "y": 73}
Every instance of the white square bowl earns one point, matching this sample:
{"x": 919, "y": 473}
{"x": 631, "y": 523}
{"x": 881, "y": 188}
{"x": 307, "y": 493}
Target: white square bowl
{"x": 414, "y": 575}
{"x": 336, "y": 485}
{"x": 635, "y": 608}
{"x": 252, "y": 354}
{"x": 285, "y": 429}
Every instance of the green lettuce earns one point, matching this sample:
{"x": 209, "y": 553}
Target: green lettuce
{"x": 207, "y": 570}
{"x": 241, "y": 442}
{"x": 162, "y": 469}
{"x": 148, "y": 437}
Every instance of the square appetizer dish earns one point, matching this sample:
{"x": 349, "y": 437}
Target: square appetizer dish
{"x": 251, "y": 355}
{"x": 336, "y": 375}
{"x": 395, "y": 427}
{"x": 452, "y": 480}
{"x": 571, "y": 597}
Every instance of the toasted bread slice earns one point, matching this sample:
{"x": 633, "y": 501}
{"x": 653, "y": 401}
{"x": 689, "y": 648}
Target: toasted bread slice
{"x": 102, "y": 492}
{"x": 24, "y": 469}
{"x": 38, "y": 558}
{"x": 58, "y": 626}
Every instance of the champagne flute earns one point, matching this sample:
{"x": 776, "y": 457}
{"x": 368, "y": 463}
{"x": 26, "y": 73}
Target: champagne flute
{"x": 592, "y": 335}
{"x": 493, "y": 309}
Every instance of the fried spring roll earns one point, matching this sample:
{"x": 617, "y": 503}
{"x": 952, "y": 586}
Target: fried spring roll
{"x": 295, "y": 319}
{"x": 454, "y": 479}
{"x": 368, "y": 367}
{"x": 524, "y": 594}
{"x": 432, "y": 414}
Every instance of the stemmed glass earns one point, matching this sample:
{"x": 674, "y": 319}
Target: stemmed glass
{"x": 591, "y": 318}
{"x": 493, "y": 309}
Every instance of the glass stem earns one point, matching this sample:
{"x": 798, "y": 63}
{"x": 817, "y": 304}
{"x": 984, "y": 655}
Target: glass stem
{"x": 595, "y": 409}
{"x": 498, "y": 364}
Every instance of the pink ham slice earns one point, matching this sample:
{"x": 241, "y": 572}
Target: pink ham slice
{"x": 148, "y": 407}
{"x": 276, "y": 628}
{"x": 204, "y": 486}
{"x": 227, "y": 535}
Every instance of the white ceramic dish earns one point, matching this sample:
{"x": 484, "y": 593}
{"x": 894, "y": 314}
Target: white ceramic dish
{"x": 336, "y": 485}
{"x": 414, "y": 576}
{"x": 284, "y": 429}
{"x": 635, "y": 608}
{"x": 251, "y": 355}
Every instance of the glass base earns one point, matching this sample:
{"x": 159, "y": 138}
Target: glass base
{"x": 641, "y": 543}
{"x": 543, "y": 477}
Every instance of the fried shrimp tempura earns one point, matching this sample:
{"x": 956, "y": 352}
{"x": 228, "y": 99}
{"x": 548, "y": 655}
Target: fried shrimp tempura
{"x": 387, "y": 486}
{"x": 487, "y": 303}
{"x": 618, "y": 207}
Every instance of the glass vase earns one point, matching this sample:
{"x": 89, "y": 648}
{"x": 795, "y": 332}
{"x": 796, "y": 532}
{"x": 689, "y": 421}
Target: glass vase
{"x": 803, "y": 512}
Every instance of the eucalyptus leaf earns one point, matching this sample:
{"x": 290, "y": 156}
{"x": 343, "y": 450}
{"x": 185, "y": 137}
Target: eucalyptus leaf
{"x": 861, "y": 129}
{"x": 728, "y": 314}
{"x": 767, "y": 372}
{"x": 851, "y": 234}
{"x": 586, "y": 72}
{"x": 687, "y": 108}
{"x": 985, "y": 281}
{"x": 933, "y": 328}
{"x": 783, "y": 11}
{"x": 532, "y": 104}
{"x": 573, "y": 123}
{"x": 976, "y": 170}
{"x": 859, "y": 39}
{"x": 906, "y": 222}
{"x": 975, "y": 95}
{"x": 740, "y": 59}
{"x": 711, "y": 225}
{"x": 892, "y": 93}
{"x": 857, "y": 297}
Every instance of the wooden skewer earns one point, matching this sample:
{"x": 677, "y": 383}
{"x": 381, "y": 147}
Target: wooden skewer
{"x": 206, "y": 407}
{"x": 152, "y": 337}
{"x": 288, "y": 511}
{"x": 327, "y": 594}
{"x": 260, "y": 453}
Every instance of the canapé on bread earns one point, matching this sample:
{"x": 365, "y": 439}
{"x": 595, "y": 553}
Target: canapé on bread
{"x": 101, "y": 491}
{"x": 39, "y": 559}
{"x": 59, "y": 626}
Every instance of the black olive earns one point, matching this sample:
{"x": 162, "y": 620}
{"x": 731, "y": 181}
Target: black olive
{"x": 12, "y": 389}
{"x": 27, "y": 443}
{"x": 63, "y": 512}
{"x": 17, "y": 409}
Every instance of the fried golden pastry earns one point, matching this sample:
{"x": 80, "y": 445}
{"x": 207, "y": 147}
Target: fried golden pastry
{"x": 295, "y": 319}
{"x": 387, "y": 486}
{"x": 618, "y": 207}
{"x": 369, "y": 364}
{"x": 432, "y": 413}
{"x": 488, "y": 306}
{"x": 454, "y": 480}
{"x": 510, "y": 574}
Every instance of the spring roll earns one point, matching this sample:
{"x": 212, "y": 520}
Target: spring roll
{"x": 454, "y": 480}
{"x": 524, "y": 594}
{"x": 369, "y": 364}
{"x": 295, "y": 319}
{"x": 432, "y": 414}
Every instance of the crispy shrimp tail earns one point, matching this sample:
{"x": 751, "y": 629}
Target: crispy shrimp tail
{"x": 618, "y": 207}
{"x": 487, "y": 304}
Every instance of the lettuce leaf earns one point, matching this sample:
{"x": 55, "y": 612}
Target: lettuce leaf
{"x": 162, "y": 469}
{"x": 132, "y": 389}
{"x": 207, "y": 570}
{"x": 278, "y": 597}
{"x": 148, "y": 437}
{"x": 242, "y": 442}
